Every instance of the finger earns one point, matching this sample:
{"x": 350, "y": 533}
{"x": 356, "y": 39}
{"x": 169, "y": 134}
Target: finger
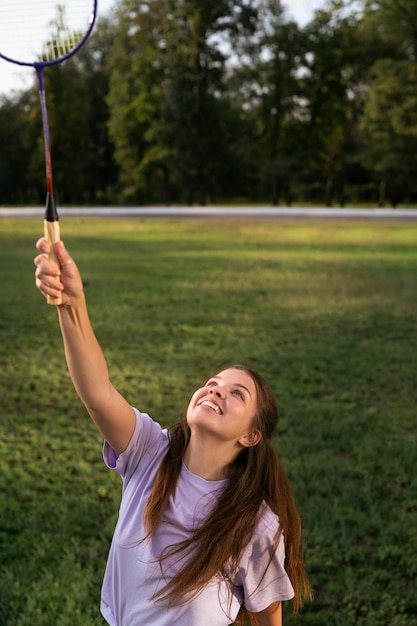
{"x": 44, "y": 267}
{"x": 48, "y": 275}
{"x": 43, "y": 246}
{"x": 66, "y": 262}
{"x": 40, "y": 259}
{"x": 48, "y": 278}
{"x": 49, "y": 288}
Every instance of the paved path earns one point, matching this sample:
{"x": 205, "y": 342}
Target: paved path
{"x": 205, "y": 212}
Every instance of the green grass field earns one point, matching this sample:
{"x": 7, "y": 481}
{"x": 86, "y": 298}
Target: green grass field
{"x": 326, "y": 311}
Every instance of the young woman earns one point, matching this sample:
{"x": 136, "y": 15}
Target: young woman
{"x": 208, "y": 530}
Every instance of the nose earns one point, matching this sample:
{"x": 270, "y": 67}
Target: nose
{"x": 216, "y": 391}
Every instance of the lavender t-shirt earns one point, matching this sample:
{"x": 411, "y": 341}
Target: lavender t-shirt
{"x": 133, "y": 573}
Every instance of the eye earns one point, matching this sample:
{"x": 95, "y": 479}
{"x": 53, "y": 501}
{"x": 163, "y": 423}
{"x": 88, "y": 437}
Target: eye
{"x": 211, "y": 383}
{"x": 238, "y": 393}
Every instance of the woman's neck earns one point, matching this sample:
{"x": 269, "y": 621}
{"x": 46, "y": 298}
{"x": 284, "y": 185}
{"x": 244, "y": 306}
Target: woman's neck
{"x": 206, "y": 460}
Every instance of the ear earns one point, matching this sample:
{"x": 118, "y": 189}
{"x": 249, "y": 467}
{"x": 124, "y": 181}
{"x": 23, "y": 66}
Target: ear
{"x": 251, "y": 439}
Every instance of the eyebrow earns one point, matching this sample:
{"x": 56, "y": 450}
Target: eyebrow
{"x": 234, "y": 384}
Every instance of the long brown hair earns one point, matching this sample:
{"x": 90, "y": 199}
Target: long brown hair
{"x": 255, "y": 476}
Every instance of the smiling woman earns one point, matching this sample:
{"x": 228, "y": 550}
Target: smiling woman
{"x": 208, "y": 528}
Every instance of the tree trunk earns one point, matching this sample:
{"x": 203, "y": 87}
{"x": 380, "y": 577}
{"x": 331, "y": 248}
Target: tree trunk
{"x": 382, "y": 189}
{"x": 274, "y": 191}
{"x": 167, "y": 186}
{"x": 329, "y": 191}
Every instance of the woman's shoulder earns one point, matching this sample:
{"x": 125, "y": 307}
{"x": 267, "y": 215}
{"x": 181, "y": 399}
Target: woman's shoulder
{"x": 148, "y": 438}
{"x": 149, "y": 441}
{"x": 267, "y": 523}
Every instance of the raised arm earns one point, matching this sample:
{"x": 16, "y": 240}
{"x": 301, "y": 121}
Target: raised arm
{"x": 112, "y": 414}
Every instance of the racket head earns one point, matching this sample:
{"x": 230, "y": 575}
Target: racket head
{"x": 44, "y": 32}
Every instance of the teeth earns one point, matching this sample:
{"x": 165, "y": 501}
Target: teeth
{"x": 211, "y": 405}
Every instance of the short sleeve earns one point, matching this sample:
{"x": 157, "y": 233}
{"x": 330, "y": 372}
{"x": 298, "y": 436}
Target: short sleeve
{"x": 147, "y": 437}
{"x": 264, "y": 579}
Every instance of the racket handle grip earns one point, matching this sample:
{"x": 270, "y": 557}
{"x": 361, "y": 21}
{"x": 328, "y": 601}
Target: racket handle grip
{"x": 52, "y": 235}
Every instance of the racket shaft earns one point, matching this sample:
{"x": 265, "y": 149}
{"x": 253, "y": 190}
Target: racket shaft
{"x": 52, "y": 235}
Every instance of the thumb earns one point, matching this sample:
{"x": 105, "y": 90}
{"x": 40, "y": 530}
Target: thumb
{"x": 62, "y": 254}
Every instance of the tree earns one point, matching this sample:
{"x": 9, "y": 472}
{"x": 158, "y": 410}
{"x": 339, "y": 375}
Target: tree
{"x": 389, "y": 129}
{"x": 265, "y": 87}
{"x": 135, "y": 75}
{"x": 16, "y": 147}
{"x": 101, "y": 170}
{"x": 334, "y": 72}
{"x": 166, "y": 104}
{"x": 389, "y": 122}
{"x": 394, "y": 24}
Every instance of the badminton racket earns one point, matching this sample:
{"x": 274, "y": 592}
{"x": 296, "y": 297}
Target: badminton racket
{"x": 39, "y": 33}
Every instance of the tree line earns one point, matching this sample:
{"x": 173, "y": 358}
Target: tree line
{"x": 205, "y": 101}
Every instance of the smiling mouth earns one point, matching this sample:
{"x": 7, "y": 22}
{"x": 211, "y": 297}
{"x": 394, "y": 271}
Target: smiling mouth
{"x": 211, "y": 406}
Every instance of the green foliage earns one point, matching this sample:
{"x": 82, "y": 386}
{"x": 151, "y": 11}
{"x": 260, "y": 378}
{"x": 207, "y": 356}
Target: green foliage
{"x": 266, "y": 82}
{"x": 326, "y": 311}
{"x": 166, "y": 119}
{"x": 16, "y": 142}
{"x": 333, "y": 55}
{"x": 389, "y": 124}
{"x": 388, "y": 127}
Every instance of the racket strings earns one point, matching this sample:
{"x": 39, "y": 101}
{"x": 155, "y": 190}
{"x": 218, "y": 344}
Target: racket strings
{"x": 44, "y": 31}
{"x": 62, "y": 45}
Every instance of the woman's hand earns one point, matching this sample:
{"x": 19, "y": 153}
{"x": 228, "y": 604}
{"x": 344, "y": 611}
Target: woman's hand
{"x": 64, "y": 282}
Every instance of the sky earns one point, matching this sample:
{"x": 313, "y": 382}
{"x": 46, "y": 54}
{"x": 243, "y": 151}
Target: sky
{"x": 302, "y": 10}
{"x": 14, "y": 77}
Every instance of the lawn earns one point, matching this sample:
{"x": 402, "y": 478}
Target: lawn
{"x": 326, "y": 311}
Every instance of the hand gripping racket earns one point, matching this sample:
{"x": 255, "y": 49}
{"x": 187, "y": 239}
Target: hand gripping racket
{"x": 39, "y": 33}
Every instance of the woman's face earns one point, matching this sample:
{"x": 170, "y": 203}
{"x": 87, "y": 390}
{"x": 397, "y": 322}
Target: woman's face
{"x": 224, "y": 407}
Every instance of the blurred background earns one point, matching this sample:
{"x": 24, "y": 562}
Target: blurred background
{"x": 223, "y": 101}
